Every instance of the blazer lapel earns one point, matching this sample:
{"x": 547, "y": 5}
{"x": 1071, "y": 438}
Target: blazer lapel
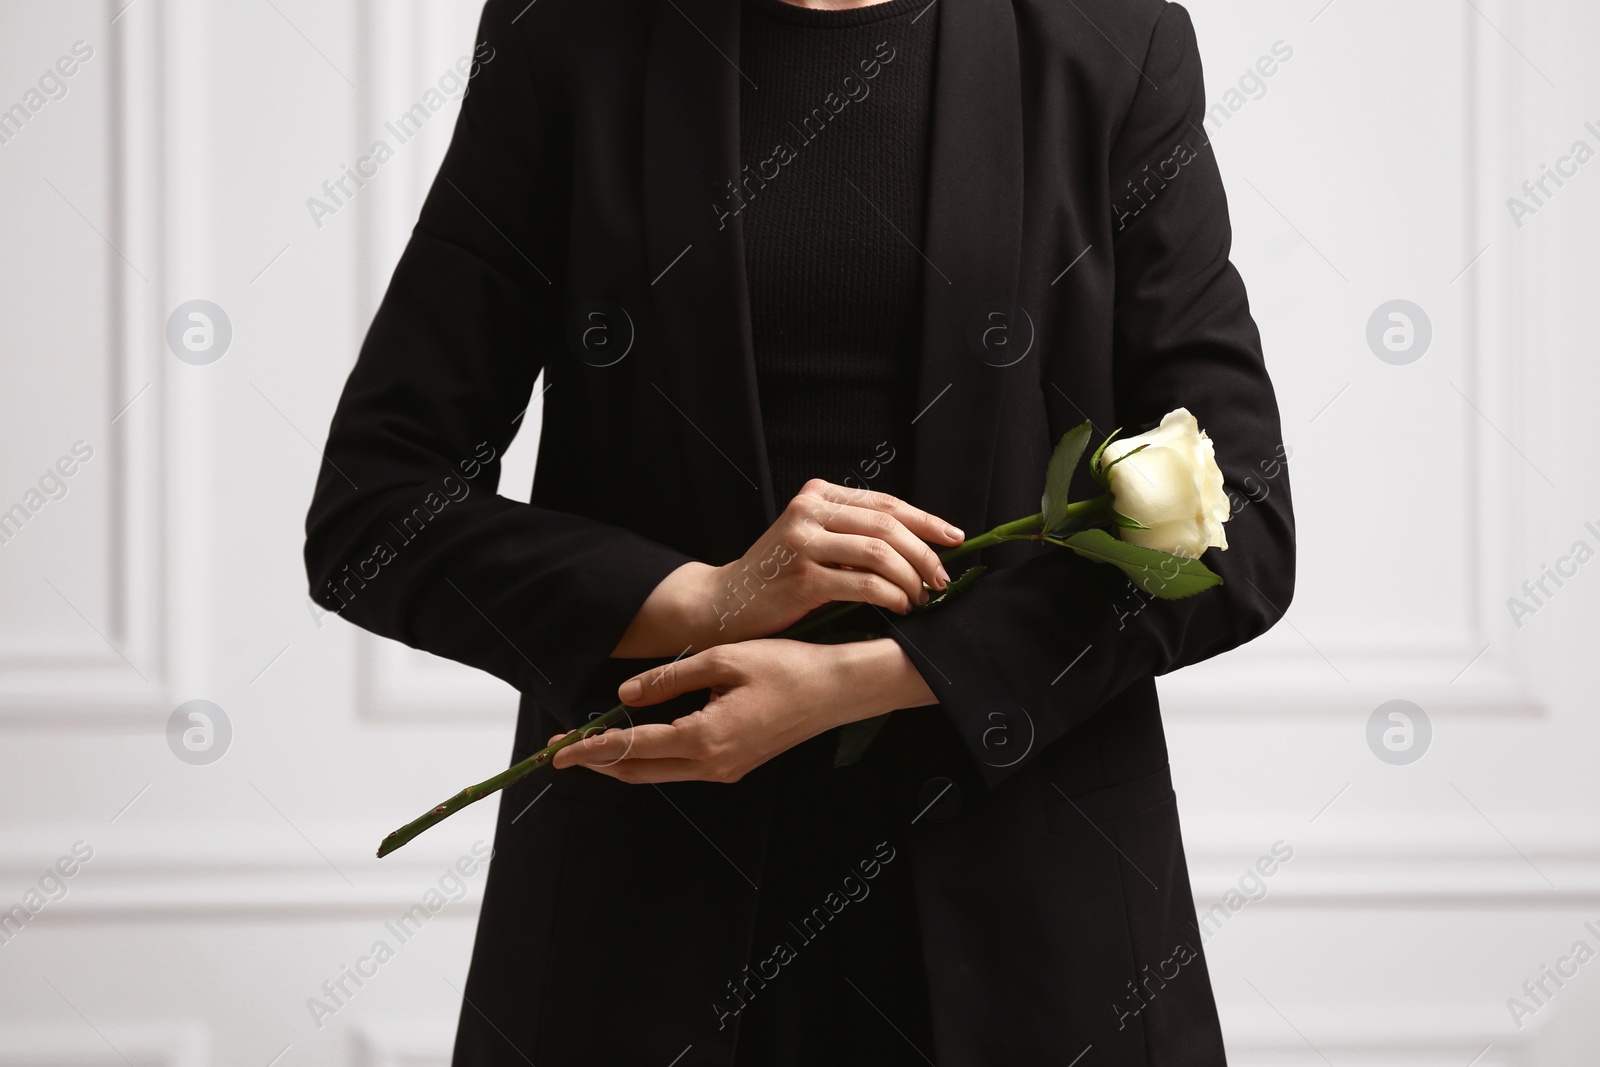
{"x": 695, "y": 259}
{"x": 973, "y": 336}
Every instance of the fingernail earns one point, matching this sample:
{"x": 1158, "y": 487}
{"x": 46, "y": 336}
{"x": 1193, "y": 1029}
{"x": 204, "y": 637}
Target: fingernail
{"x": 954, "y": 534}
{"x": 923, "y": 599}
{"x": 631, "y": 691}
{"x": 944, "y": 575}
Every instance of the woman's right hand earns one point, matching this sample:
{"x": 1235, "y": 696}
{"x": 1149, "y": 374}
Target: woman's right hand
{"x": 831, "y": 543}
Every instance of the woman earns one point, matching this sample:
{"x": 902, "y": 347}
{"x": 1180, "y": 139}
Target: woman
{"x": 814, "y": 288}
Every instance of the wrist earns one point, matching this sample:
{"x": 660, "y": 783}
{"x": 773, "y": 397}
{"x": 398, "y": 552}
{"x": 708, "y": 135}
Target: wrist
{"x": 696, "y": 609}
{"x": 876, "y": 677}
{"x": 676, "y": 613}
{"x": 718, "y": 611}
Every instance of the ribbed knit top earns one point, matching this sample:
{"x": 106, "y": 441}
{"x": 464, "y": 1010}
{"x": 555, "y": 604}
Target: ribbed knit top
{"x": 834, "y": 120}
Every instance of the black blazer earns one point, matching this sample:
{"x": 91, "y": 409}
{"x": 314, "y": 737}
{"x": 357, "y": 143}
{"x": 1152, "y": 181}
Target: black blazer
{"x": 1078, "y": 243}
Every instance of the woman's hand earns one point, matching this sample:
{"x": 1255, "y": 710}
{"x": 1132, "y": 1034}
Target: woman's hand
{"x": 766, "y": 697}
{"x": 831, "y": 543}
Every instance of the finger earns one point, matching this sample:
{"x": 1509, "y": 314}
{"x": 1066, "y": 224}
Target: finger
{"x": 601, "y": 749}
{"x": 866, "y": 587}
{"x": 557, "y": 737}
{"x": 868, "y": 555}
{"x": 923, "y": 561}
{"x": 926, "y": 526}
{"x": 681, "y": 739}
{"x": 650, "y": 771}
{"x": 703, "y": 670}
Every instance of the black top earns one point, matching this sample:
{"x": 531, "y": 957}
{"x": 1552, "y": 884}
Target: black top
{"x": 834, "y": 119}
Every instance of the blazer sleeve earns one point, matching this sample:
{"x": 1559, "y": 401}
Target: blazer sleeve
{"x": 406, "y": 535}
{"x": 1058, "y": 635}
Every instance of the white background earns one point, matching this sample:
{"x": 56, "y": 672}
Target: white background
{"x": 1375, "y": 164}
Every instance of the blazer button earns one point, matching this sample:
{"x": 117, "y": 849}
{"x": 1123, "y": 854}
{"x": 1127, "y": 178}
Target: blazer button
{"x": 939, "y": 800}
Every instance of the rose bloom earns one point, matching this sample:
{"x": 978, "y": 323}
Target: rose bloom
{"x": 1174, "y": 487}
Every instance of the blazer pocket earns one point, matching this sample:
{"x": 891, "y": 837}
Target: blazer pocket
{"x": 1066, "y": 812}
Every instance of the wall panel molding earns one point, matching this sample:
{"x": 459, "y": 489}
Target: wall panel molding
{"x": 403, "y": 1042}
{"x": 70, "y": 1043}
{"x": 1331, "y": 666}
{"x": 122, "y": 669}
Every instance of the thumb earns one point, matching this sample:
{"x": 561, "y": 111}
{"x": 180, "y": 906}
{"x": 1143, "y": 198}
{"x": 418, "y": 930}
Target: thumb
{"x": 703, "y": 670}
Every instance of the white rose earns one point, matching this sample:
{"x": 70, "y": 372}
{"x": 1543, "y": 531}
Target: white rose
{"x": 1174, "y": 487}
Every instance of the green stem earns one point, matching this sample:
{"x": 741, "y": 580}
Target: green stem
{"x": 1084, "y": 512}
{"x": 488, "y": 787}
{"x": 1009, "y": 531}
{"x": 1081, "y": 514}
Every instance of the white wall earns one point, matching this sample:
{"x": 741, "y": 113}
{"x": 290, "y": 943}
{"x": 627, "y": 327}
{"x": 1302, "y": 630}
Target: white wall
{"x": 1375, "y": 165}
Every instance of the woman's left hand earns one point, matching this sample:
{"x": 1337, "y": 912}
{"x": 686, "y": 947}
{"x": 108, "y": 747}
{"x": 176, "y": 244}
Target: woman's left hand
{"x": 766, "y": 697}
